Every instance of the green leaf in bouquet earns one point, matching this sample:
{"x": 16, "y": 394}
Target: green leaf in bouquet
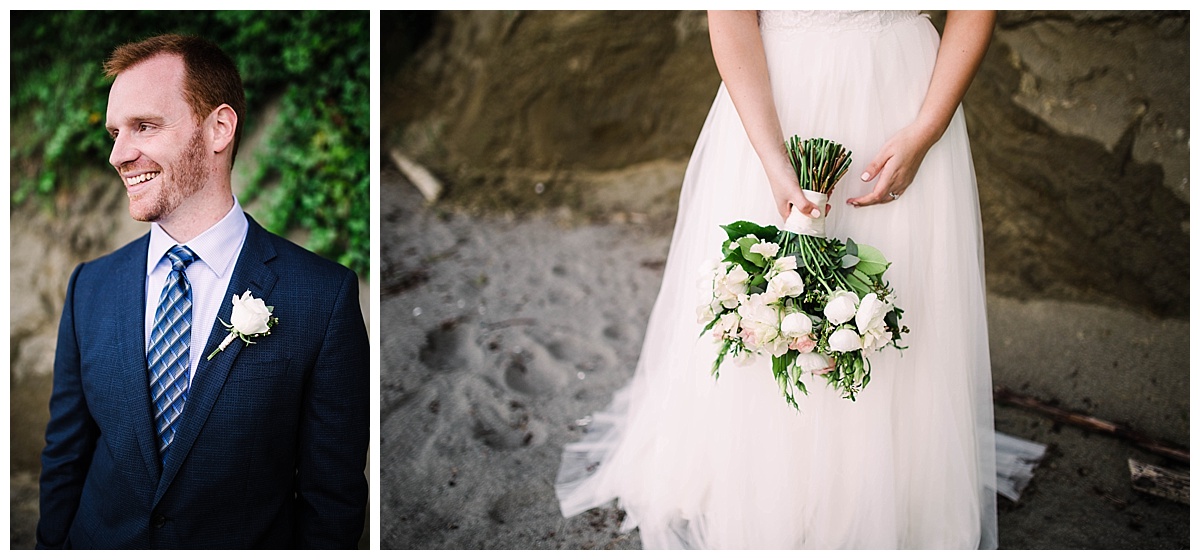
{"x": 892, "y": 320}
{"x": 851, "y": 247}
{"x": 871, "y": 261}
{"x": 735, "y": 257}
{"x": 710, "y": 324}
{"x": 856, "y": 283}
{"x": 746, "y": 243}
{"x": 782, "y": 381}
{"x": 730, "y": 247}
{"x": 740, "y": 229}
{"x": 849, "y": 261}
{"x": 720, "y": 358}
{"x": 858, "y": 370}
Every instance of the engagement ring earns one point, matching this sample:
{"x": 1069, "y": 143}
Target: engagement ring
{"x": 893, "y": 195}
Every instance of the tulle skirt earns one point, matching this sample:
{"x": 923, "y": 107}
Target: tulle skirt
{"x": 703, "y": 463}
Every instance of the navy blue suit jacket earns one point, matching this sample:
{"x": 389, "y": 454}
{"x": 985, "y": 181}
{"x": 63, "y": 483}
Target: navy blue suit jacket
{"x": 272, "y": 445}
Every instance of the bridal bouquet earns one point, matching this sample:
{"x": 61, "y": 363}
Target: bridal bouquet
{"x": 815, "y": 305}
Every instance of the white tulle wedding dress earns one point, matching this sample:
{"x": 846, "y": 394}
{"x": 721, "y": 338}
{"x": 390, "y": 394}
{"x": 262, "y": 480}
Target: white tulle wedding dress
{"x": 703, "y": 463}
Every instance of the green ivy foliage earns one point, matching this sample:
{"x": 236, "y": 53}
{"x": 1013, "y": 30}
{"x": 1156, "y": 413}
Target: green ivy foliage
{"x": 313, "y": 172}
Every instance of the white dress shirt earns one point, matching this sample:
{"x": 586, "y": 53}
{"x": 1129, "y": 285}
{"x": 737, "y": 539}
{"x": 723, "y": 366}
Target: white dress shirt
{"x": 216, "y": 253}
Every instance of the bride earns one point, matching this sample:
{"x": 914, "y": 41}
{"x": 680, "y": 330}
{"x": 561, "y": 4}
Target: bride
{"x": 699, "y": 463}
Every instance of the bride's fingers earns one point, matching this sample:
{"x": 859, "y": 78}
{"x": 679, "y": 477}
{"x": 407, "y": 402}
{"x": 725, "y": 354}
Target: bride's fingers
{"x": 876, "y": 165}
{"x": 806, "y": 207}
{"x": 878, "y": 195}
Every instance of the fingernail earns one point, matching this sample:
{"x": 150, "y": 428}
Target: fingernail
{"x": 816, "y": 213}
{"x": 866, "y": 176}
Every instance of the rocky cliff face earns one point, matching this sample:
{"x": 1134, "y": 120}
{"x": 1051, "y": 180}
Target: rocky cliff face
{"x": 1079, "y": 125}
{"x": 1080, "y": 136}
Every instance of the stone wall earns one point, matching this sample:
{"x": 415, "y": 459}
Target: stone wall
{"x": 1079, "y": 125}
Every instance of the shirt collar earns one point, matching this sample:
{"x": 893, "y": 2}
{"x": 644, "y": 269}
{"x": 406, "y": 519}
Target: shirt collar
{"x": 217, "y": 247}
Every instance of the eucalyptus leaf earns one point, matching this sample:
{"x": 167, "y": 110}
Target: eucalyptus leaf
{"x": 871, "y": 261}
{"x": 859, "y": 287}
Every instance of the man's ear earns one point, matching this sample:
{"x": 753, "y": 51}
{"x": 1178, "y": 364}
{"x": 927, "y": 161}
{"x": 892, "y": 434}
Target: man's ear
{"x": 222, "y": 126}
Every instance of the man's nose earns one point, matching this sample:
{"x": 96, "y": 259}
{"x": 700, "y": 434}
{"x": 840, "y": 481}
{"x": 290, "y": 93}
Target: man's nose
{"x": 124, "y": 151}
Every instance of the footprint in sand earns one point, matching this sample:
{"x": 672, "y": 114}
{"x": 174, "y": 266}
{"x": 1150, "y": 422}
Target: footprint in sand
{"x": 530, "y": 368}
{"x": 584, "y": 356}
{"x": 515, "y": 506}
{"x": 451, "y": 346}
{"x": 509, "y": 426}
{"x": 613, "y": 332}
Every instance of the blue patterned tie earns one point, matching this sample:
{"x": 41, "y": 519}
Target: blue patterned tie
{"x": 168, "y": 355}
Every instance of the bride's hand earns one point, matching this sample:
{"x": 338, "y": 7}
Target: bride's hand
{"x": 786, "y": 190}
{"x": 895, "y": 165}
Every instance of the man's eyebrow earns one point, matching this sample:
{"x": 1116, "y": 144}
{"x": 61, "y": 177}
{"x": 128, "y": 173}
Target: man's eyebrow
{"x": 137, "y": 118}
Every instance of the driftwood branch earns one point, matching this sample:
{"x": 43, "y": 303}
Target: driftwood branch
{"x": 1157, "y": 481}
{"x": 1153, "y": 445}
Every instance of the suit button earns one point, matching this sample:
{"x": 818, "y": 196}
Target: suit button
{"x": 159, "y": 521}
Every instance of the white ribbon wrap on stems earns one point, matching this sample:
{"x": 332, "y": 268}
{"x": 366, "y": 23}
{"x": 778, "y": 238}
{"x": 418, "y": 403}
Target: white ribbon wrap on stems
{"x": 808, "y": 225}
{"x": 225, "y": 343}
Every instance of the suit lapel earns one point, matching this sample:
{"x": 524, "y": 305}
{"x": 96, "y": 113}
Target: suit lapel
{"x": 131, "y": 319}
{"x": 250, "y": 273}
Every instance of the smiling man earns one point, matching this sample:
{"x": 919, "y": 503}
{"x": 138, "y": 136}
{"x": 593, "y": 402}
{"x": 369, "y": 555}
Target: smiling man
{"x": 211, "y": 378}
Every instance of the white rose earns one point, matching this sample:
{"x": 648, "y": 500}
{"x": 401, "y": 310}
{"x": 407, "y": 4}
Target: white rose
{"x": 737, "y": 275}
{"x": 785, "y": 284}
{"x": 759, "y": 323}
{"x": 841, "y": 306}
{"x": 728, "y": 285}
{"x": 250, "y": 314}
{"x": 869, "y": 320}
{"x": 786, "y": 263}
{"x": 765, "y": 248}
{"x": 726, "y": 326}
{"x": 844, "y": 340}
{"x": 796, "y": 325}
{"x": 814, "y": 363}
{"x": 776, "y": 346}
{"x": 870, "y": 313}
{"x": 744, "y": 359}
{"x": 873, "y": 341}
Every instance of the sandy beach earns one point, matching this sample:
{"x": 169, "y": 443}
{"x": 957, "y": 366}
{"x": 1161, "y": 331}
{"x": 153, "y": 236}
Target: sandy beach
{"x": 500, "y": 335}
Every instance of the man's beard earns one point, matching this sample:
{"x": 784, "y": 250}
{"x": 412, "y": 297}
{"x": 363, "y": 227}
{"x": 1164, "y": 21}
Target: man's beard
{"x": 187, "y": 177}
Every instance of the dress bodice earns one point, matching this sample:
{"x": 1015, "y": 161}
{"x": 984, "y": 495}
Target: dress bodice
{"x": 864, "y": 20}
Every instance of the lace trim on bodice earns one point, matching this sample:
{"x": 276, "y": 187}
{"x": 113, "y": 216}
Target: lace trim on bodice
{"x": 829, "y": 20}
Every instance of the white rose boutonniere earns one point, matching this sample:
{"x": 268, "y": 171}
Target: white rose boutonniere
{"x": 250, "y": 318}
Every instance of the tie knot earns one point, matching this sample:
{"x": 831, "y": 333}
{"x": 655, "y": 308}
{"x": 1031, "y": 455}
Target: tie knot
{"x": 180, "y": 257}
